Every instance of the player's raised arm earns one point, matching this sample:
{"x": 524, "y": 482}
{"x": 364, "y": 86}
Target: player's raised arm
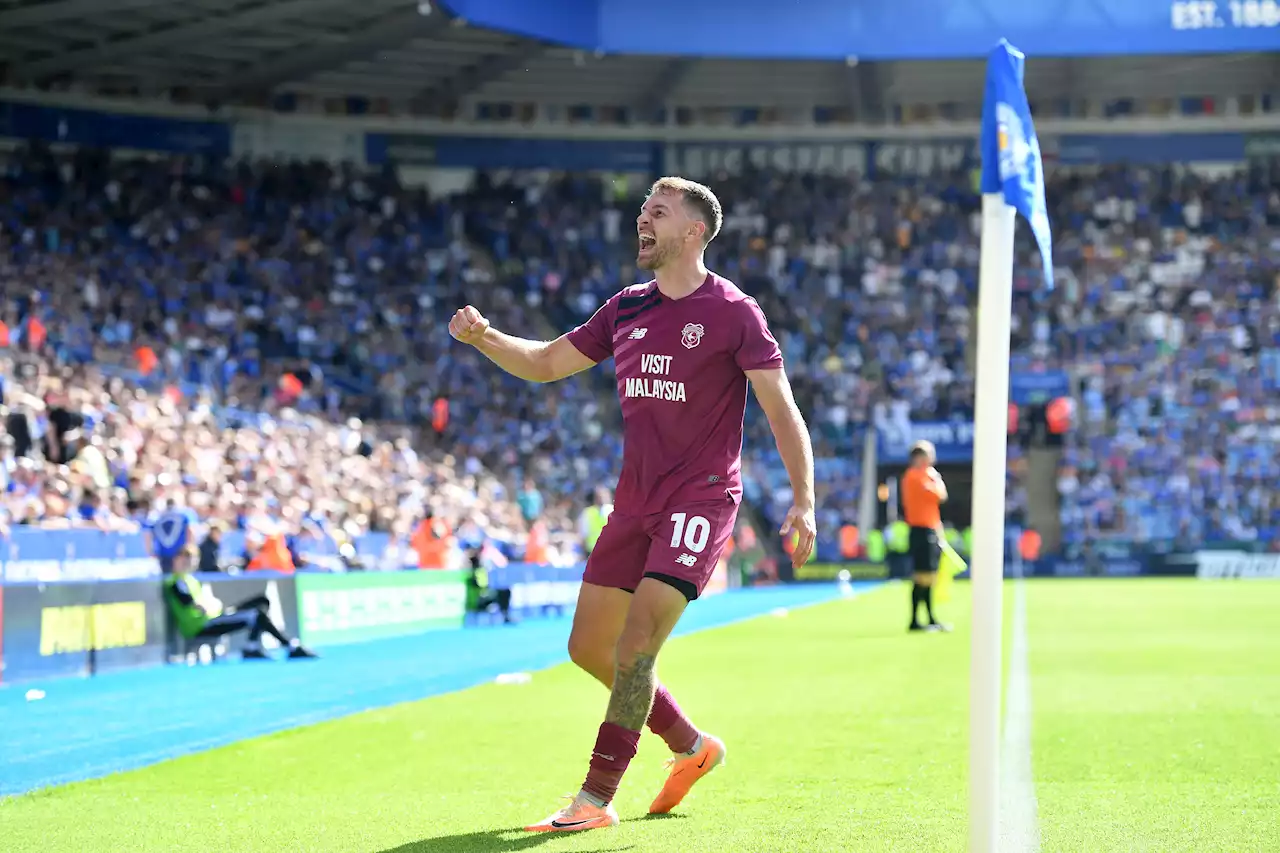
{"x": 773, "y": 390}
{"x": 534, "y": 361}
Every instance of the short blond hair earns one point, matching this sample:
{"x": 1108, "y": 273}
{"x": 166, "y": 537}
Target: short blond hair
{"x": 925, "y": 447}
{"x": 698, "y": 196}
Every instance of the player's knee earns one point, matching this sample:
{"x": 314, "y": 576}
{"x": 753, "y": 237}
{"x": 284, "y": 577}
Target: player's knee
{"x": 590, "y": 656}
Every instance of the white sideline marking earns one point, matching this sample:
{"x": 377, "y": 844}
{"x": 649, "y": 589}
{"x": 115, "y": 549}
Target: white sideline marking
{"x": 1019, "y": 826}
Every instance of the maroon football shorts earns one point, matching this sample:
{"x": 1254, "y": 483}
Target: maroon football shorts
{"x": 680, "y": 547}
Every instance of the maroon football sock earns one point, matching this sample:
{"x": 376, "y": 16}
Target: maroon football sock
{"x": 615, "y": 747}
{"x": 668, "y": 722}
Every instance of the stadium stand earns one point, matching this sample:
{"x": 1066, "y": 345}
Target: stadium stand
{"x": 1175, "y": 278}
{"x": 298, "y": 302}
{"x": 192, "y": 329}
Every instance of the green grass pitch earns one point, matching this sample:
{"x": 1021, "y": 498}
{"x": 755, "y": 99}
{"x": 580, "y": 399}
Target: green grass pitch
{"x": 1156, "y": 727}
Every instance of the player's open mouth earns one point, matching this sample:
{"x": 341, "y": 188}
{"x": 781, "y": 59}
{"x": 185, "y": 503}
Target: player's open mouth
{"x": 648, "y": 241}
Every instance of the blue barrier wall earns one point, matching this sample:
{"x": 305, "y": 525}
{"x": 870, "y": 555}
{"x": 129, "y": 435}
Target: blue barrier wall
{"x": 45, "y": 556}
{"x": 53, "y": 556}
{"x": 75, "y": 602}
{"x": 537, "y": 589}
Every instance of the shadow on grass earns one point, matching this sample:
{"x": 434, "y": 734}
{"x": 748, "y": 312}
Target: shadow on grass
{"x": 510, "y": 840}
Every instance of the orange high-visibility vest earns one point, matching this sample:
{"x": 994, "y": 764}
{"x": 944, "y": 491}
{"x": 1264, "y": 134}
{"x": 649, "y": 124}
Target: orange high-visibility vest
{"x": 432, "y": 550}
{"x": 1058, "y": 415}
{"x": 37, "y": 334}
{"x": 1029, "y": 545}
{"x": 147, "y": 359}
{"x": 535, "y": 550}
{"x": 273, "y": 556}
{"x": 850, "y": 544}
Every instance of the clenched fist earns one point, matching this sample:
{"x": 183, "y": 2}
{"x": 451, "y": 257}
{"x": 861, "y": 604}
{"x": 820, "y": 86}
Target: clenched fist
{"x": 468, "y": 325}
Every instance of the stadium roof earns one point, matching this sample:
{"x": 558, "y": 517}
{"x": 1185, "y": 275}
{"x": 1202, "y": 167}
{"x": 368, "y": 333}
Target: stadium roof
{"x": 239, "y": 50}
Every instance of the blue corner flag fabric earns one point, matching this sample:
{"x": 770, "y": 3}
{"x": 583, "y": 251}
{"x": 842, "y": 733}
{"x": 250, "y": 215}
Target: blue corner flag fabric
{"x": 1010, "y": 151}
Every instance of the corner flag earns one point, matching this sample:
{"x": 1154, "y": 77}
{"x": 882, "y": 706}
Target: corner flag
{"x": 1010, "y": 151}
{"x": 1012, "y": 183}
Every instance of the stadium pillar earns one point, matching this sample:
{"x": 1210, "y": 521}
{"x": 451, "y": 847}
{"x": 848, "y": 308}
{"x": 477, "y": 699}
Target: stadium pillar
{"x": 870, "y": 479}
{"x": 995, "y": 302}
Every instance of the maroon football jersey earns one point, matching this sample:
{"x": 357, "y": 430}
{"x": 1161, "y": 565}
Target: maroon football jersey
{"x": 682, "y": 388}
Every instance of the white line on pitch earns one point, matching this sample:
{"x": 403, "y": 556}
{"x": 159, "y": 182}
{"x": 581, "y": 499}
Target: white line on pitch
{"x": 1019, "y": 826}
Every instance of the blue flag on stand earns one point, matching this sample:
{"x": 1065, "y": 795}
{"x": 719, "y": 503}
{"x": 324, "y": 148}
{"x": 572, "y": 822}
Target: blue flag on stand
{"x": 1010, "y": 151}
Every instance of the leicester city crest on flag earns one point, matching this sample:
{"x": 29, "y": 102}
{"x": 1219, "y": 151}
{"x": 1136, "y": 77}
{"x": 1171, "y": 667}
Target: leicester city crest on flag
{"x": 1011, "y": 162}
{"x": 1017, "y": 154}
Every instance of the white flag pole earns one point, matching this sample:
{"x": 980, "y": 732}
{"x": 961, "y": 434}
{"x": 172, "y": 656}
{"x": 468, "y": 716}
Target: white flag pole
{"x": 991, "y": 417}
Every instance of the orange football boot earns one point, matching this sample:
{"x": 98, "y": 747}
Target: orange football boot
{"x": 685, "y": 771}
{"x": 576, "y": 817}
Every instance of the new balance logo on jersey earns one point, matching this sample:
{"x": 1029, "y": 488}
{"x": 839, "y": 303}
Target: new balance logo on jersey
{"x": 687, "y": 560}
{"x": 637, "y": 334}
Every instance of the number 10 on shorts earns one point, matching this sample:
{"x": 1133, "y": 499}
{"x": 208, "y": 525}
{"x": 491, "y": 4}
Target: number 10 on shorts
{"x": 690, "y": 533}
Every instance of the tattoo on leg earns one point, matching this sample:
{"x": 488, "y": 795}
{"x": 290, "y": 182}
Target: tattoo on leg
{"x": 632, "y": 697}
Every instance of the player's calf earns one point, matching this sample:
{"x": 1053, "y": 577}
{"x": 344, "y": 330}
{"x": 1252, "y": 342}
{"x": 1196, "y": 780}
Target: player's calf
{"x": 597, "y": 625}
{"x": 654, "y": 612}
{"x": 666, "y": 719}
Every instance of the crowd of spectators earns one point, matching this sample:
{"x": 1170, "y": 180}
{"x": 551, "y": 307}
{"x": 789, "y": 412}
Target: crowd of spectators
{"x": 1165, "y": 314}
{"x": 271, "y": 340}
{"x": 1168, "y": 314}
{"x": 87, "y": 449}
{"x": 226, "y": 336}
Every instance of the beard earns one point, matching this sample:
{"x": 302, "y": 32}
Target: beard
{"x": 660, "y": 255}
